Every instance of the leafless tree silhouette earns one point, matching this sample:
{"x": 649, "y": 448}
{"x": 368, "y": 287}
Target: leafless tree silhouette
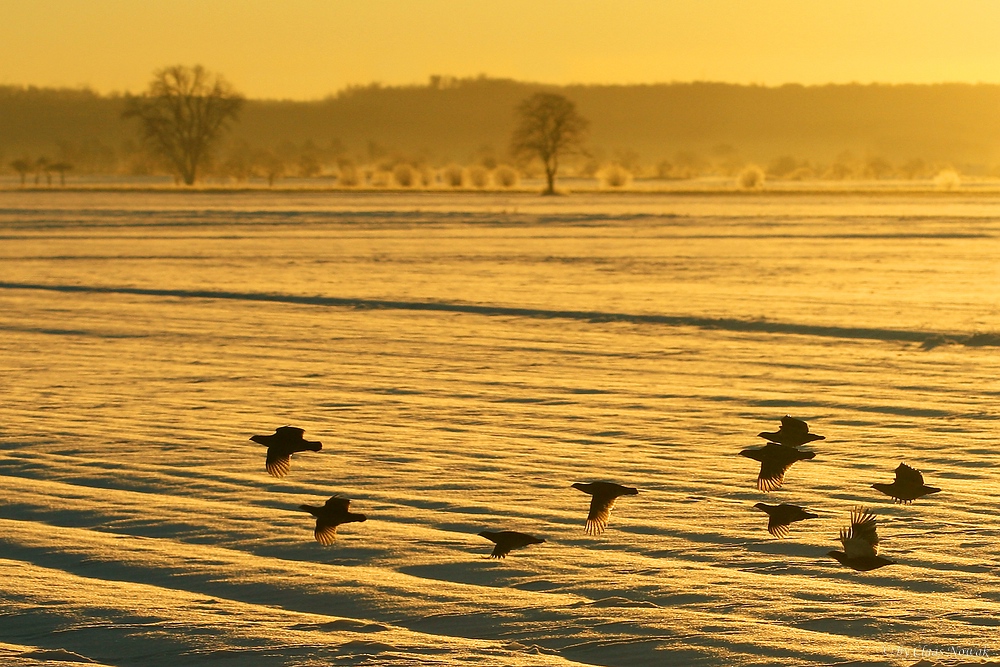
{"x": 183, "y": 114}
{"x": 22, "y": 166}
{"x": 548, "y": 128}
{"x": 61, "y": 168}
{"x": 272, "y": 166}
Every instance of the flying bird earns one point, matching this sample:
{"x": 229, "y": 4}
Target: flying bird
{"x": 860, "y": 543}
{"x": 284, "y": 442}
{"x": 907, "y": 487}
{"x": 508, "y": 540}
{"x": 781, "y": 516}
{"x": 793, "y": 433}
{"x": 603, "y": 500}
{"x": 774, "y": 460}
{"x": 334, "y": 513}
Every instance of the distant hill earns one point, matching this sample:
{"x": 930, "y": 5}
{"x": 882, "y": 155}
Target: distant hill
{"x": 687, "y": 124}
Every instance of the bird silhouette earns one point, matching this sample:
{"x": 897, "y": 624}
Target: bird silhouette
{"x": 780, "y": 516}
{"x": 603, "y": 500}
{"x": 284, "y": 442}
{"x": 907, "y": 487}
{"x": 508, "y": 540}
{"x": 329, "y": 516}
{"x": 793, "y": 433}
{"x": 774, "y": 460}
{"x": 860, "y": 543}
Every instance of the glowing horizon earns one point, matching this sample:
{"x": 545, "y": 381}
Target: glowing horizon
{"x": 306, "y": 50}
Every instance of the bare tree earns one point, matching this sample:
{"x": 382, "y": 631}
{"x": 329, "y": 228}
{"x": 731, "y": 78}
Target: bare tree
{"x": 61, "y": 168}
{"x": 549, "y": 127}
{"x": 183, "y": 114}
{"x": 272, "y": 166}
{"x": 22, "y": 166}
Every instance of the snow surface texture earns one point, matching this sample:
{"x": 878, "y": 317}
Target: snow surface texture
{"x": 465, "y": 359}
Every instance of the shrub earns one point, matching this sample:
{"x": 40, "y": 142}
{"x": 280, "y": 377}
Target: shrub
{"x": 405, "y": 175}
{"x": 479, "y": 176}
{"x": 664, "y": 170}
{"x": 426, "y": 176}
{"x": 506, "y": 176}
{"x": 453, "y": 175}
{"x": 782, "y": 166}
{"x": 947, "y": 179}
{"x": 750, "y": 178}
{"x": 878, "y": 168}
{"x": 348, "y": 176}
{"x": 380, "y": 178}
{"x": 270, "y": 166}
{"x": 614, "y": 176}
{"x": 309, "y": 166}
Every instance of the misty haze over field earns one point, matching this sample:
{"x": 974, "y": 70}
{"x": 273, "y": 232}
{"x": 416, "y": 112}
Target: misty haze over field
{"x": 673, "y": 131}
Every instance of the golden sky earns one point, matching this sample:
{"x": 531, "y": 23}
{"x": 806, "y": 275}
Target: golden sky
{"x": 306, "y": 49}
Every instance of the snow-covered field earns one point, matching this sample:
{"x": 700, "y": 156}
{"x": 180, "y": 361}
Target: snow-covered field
{"x": 464, "y": 359}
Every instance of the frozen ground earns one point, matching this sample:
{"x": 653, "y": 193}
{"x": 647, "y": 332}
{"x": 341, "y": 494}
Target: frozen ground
{"x": 464, "y": 359}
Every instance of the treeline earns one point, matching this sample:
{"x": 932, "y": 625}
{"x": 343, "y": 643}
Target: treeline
{"x": 652, "y": 131}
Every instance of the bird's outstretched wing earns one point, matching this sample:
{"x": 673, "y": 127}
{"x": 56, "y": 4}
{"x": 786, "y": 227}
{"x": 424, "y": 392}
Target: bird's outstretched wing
{"x": 501, "y": 550}
{"x": 909, "y": 476}
{"x": 508, "y": 540}
{"x": 772, "y": 474}
{"x": 502, "y": 547}
{"x": 278, "y": 463}
{"x": 861, "y": 539}
{"x": 600, "y": 512}
{"x": 784, "y": 515}
{"x": 777, "y": 527}
{"x": 326, "y": 532}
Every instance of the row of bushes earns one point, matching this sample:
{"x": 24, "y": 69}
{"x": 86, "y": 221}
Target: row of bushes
{"x": 408, "y": 175}
{"x": 612, "y": 176}
{"x": 752, "y": 177}
{"x": 241, "y": 162}
{"x": 405, "y": 175}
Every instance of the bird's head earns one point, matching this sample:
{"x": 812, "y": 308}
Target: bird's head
{"x": 258, "y": 439}
{"x": 488, "y": 534}
{"x": 578, "y": 485}
{"x": 838, "y": 556}
{"x": 760, "y": 506}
